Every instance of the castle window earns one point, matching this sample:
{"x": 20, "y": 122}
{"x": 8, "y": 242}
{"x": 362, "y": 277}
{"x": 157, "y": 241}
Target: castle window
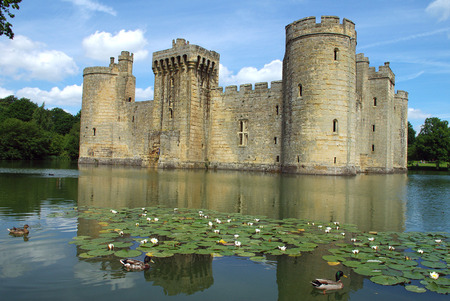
{"x": 132, "y": 119}
{"x": 300, "y": 90}
{"x": 243, "y": 132}
{"x": 336, "y": 54}
{"x": 335, "y": 126}
{"x": 277, "y": 109}
{"x": 278, "y": 158}
{"x": 373, "y": 127}
{"x": 275, "y": 140}
{"x": 172, "y": 82}
{"x": 94, "y": 130}
{"x": 129, "y": 99}
{"x": 374, "y": 101}
{"x": 335, "y": 160}
{"x": 171, "y": 113}
{"x": 298, "y": 159}
{"x": 373, "y": 147}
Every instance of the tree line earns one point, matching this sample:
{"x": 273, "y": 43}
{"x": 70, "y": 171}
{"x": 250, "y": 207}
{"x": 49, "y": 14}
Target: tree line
{"x": 29, "y": 131}
{"x": 432, "y": 143}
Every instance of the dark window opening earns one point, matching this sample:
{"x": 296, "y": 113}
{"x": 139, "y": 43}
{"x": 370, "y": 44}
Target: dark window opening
{"x": 373, "y": 147}
{"x": 95, "y": 130}
{"x": 298, "y": 159}
{"x": 336, "y": 54}
{"x": 334, "y": 159}
{"x": 373, "y": 128}
{"x": 278, "y": 158}
{"x": 275, "y": 140}
{"x": 277, "y": 109}
{"x": 129, "y": 99}
{"x": 171, "y": 113}
{"x": 132, "y": 119}
{"x": 300, "y": 90}
{"x": 374, "y": 101}
{"x": 335, "y": 126}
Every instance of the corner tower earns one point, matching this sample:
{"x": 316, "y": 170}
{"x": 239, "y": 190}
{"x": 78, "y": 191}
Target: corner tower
{"x": 184, "y": 78}
{"x": 319, "y": 96}
{"x": 104, "y": 121}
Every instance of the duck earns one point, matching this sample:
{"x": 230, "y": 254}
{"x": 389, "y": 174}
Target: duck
{"x": 325, "y": 284}
{"x": 19, "y": 231}
{"x": 136, "y": 265}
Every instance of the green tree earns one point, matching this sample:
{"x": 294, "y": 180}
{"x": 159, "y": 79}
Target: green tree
{"x": 433, "y": 141}
{"x": 22, "y": 140}
{"x": 72, "y": 142}
{"x": 62, "y": 121}
{"x": 42, "y": 118}
{"x": 5, "y": 26}
{"x": 411, "y": 142}
{"x": 21, "y": 109}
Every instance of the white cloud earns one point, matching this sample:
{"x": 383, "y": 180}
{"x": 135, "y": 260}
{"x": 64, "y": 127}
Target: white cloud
{"x": 439, "y": 9}
{"x": 417, "y": 114}
{"x": 5, "y": 92}
{"x": 144, "y": 94}
{"x": 270, "y": 72}
{"x": 91, "y": 5}
{"x": 103, "y": 45}
{"x": 23, "y": 58}
{"x": 69, "y": 97}
{"x": 407, "y": 77}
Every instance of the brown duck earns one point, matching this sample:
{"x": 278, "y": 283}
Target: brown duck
{"x": 136, "y": 265}
{"x": 19, "y": 231}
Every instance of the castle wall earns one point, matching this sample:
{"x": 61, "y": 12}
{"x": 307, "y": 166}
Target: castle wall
{"x": 246, "y": 128}
{"x": 331, "y": 114}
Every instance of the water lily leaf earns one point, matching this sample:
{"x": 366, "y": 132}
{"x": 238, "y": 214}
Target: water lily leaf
{"x": 85, "y": 255}
{"x": 257, "y": 258}
{"x": 415, "y": 275}
{"x": 100, "y": 252}
{"x": 434, "y": 265}
{"x": 388, "y": 280}
{"x": 127, "y": 253}
{"x": 415, "y": 289}
{"x": 391, "y": 272}
{"x": 367, "y": 272}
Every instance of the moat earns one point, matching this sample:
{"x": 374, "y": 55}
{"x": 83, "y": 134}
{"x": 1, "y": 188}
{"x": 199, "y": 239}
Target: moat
{"x": 47, "y": 267}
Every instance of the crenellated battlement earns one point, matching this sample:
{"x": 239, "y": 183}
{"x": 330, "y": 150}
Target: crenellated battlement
{"x": 360, "y": 58}
{"x": 328, "y": 25}
{"x": 183, "y": 55}
{"x": 275, "y": 87}
{"x": 383, "y": 72}
{"x": 401, "y": 94}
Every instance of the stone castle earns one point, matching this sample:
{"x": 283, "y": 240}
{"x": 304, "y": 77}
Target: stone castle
{"x": 330, "y": 114}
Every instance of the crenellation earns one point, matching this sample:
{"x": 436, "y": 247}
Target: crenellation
{"x": 319, "y": 119}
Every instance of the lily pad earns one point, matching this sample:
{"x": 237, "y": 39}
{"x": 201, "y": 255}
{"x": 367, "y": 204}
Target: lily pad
{"x": 388, "y": 280}
{"x": 127, "y": 253}
{"x": 415, "y": 289}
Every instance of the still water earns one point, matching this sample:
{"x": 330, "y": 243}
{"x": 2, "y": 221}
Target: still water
{"x": 47, "y": 267}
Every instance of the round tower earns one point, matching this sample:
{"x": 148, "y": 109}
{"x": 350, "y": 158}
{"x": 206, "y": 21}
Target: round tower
{"x": 319, "y": 95}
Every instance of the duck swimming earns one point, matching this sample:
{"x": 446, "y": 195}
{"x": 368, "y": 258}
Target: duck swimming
{"x": 136, "y": 265}
{"x": 19, "y": 231}
{"x": 325, "y": 284}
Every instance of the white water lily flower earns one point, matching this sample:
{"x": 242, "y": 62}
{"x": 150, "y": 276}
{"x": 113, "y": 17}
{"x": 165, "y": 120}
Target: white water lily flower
{"x": 327, "y": 230}
{"x": 438, "y": 241}
{"x": 356, "y": 251}
{"x": 434, "y": 275}
{"x": 257, "y": 230}
{"x": 175, "y": 209}
{"x": 391, "y": 248}
{"x": 353, "y": 239}
{"x": 256, "y": 219}
{"x": 336, "y": 223}
{"x": 154, "y": 240}
{"x": 144, "y": 241}
{"x": 137, "y": 224}
{"x": 149, "y": 219}
{"x": 236, "y": 235}
{"x": 337, "y": 228}
{"x": 250, "y": 223}
{"x": 229, "y": 220}
{"x": 200, "y": 212}
{"x": 210, "y": 224}
{"x": 420, "y": 251}
{"x": 217, "y": 231}
{"x": 371, "y": 239}
{"x": 320, "y": 226}
{"x": 114, "y": 211}
{"x": 205, "y": 216}
{"x": 121, "y": 233}
{"x": 343, "y": 234}
{"x": 237, "y": 243}
{"x": 156, "y": 219}
{"x": 110, "y": 247}
{"x": 375, "y": 247}
{"x": 144, "y": 214}
{"x": 282, "y": 248}
{"x": 143, "y": 209}
{"x": 218, "y": 221}
{"x": 312, "y": 224}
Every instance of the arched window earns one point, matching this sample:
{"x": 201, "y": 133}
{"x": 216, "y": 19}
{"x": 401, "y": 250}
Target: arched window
{"x": 336, "y": 54}
{"x": 300, "y": 90}
{"x": 335, "y": 126}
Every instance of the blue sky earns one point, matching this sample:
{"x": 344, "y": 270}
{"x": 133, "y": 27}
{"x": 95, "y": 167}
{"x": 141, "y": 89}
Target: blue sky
{"x": 56, "y": 39}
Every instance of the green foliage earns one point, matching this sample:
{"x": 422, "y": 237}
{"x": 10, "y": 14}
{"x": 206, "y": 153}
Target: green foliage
{"x": 5, "y": 26}
{"x": 433, "y": 141}
{"x": 39, "y": 133}
{"x": 411, "y": 134}
{"x": 22, "y": 140}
